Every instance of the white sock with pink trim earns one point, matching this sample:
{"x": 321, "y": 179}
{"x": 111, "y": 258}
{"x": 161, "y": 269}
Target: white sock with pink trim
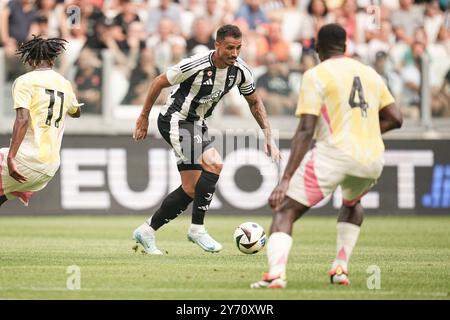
{"x": 347, "y": 235}
{"x": 278, "y": 248}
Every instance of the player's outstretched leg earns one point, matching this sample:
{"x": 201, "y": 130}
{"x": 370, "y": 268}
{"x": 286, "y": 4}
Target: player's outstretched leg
{"x": 279, "y": 244}
{"x": 204, "y": 191}
{"x": 348, "y": 227}
{"x": 174, "y": 204}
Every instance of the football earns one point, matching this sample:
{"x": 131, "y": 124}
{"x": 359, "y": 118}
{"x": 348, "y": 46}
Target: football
{"x": 250, "y": 237}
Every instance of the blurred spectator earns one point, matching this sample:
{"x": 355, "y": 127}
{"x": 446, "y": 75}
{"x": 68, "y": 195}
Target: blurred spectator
{"x": 76, "y": 41}
{"x": 165, "y": 44}
{"x": 406, "y": 20}
{"x": 356, "y": 24}
{"x": 273, "y": 87}
{"x": 252, "y": 13}
{"x": 167, "y": 10}
{"x": 348, "y": 15}
{"x": 388, "y": 74}
{"x": 411, "y": 76}
{"x": 307, "y": 62}
{"x": 140, "y": 80}
{"x": 16, "y": 19}
{"x": 317, "y": 15}
{"x": 440, "y": 104}
{"x": 252, "y": 39}
{"x": 286, "y": 29}
{"x": 127, "y": 15}
{"x": 40, "y": 26}
{"x": 88, "y": 81}
{"x": 433, "y": 20}
{"x": 190, "y": 9}
{"x": 92, "y": 22}
{"x": 274, "y": 43}
{"x": 15, "y": 23}
{"x": 52, "y": 11}
{"x": 202, "y": 39}
{"x": 443, "y": 40}
{"x": 381, "y": 40}
{"x": 125, "y": 50}
{"x": 215, "y": 14}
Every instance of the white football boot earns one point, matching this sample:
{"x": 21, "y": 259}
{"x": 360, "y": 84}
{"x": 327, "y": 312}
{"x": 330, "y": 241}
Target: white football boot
{"x": 205, "y": 241}
{"x": 147, "y": 240}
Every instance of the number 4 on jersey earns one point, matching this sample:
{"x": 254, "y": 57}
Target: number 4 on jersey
{"x": 357, "y": 87}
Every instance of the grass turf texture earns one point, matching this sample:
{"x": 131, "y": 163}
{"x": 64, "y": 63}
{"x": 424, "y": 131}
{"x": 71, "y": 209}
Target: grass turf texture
{"x": 412, "y": 253}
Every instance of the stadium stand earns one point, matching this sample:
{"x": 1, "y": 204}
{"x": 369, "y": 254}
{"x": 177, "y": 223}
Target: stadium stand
{"x": 116, "y": 47}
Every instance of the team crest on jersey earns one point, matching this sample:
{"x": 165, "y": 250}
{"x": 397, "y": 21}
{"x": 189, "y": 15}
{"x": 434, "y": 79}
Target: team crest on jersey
{"x": 231, "y": 78}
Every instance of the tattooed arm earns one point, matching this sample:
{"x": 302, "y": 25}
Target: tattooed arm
{"x": 259, "y": 113}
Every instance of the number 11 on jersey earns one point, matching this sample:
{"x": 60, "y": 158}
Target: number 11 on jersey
{"x": 52, "y": 103}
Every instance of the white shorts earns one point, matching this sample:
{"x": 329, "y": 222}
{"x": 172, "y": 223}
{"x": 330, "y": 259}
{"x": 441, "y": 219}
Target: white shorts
{"x": 321, "y": 172}
{"x": 12, "y": 189}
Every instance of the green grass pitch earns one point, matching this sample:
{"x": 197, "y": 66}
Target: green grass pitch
{"x": 413, "y": 254}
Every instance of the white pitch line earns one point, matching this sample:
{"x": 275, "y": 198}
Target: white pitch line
{"x": 162, "y": 290}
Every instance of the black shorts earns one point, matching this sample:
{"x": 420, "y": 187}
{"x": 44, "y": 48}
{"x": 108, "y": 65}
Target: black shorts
{"x": 188, "y": 139}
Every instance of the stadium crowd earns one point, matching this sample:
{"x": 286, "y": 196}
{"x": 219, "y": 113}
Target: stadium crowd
{"x": 144, "y": 37}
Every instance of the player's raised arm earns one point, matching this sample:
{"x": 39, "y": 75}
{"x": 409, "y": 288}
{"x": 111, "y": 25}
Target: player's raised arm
{"x": 160, "y": 82}
{"x": 19, "y": 130}
{"x": 259, "y": 113}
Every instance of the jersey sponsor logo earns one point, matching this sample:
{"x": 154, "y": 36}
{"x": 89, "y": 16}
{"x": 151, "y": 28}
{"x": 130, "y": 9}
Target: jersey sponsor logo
{"x": 213, "y": 97}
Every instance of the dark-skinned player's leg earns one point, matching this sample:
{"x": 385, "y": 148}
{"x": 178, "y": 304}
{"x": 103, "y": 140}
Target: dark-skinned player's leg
{"x": 280, "y": 240}
{"x": 280, "y": 243}
{"x": 348, "y": 224}
{"x": 211, "y": 163}
{"x": 3, "y": 199}
{"x": 348, "y": 227}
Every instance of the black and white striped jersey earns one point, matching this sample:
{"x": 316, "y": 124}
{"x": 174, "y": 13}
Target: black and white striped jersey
{"x": 200, "y": 86}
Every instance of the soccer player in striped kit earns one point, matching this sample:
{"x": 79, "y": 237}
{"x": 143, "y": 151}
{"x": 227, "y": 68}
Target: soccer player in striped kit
{"x": 199, "y": 83}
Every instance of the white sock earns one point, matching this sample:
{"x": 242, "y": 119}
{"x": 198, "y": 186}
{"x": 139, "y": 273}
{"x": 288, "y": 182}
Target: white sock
{"x": 196, "y": 228}
{"x": 146, "y": 229}
{"x": 278, "y": 247}
{"x": 347, "y": 235}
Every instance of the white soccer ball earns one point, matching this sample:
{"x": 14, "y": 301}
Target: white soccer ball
{"x": 250, "y": 237}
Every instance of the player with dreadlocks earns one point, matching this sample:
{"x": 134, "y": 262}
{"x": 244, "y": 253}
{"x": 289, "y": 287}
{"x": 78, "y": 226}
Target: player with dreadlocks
{"x": 42, "y": 98}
